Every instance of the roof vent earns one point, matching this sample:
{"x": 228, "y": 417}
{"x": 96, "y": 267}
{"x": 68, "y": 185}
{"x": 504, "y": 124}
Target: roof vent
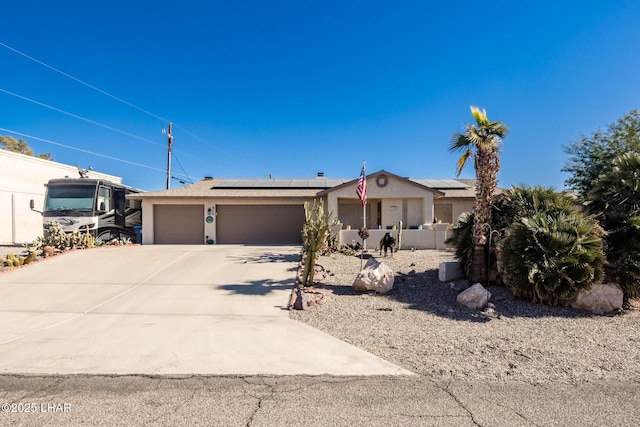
{"x": 207, "y": 178}
{"x": 320, "y": 174}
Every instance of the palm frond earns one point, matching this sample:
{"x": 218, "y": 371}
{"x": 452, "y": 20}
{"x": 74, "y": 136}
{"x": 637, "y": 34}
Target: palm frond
{"x": 462, "y": 161}
{"x": 480, "y": 116}
{"x": 459, "y": 142}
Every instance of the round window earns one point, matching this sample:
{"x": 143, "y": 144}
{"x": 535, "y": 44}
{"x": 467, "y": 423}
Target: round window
{"x": 382, "y": 180}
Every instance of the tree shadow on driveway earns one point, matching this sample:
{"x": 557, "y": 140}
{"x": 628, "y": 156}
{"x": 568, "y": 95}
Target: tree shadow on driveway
{"x": 259, "y": 287}
{"x": 268, "y": 257}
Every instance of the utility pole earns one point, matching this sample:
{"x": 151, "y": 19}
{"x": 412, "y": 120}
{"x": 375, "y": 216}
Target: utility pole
{"x": 169, "y": 147}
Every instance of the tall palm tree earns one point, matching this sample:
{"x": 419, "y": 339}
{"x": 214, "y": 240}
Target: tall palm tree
{"x": 482, "y": 143}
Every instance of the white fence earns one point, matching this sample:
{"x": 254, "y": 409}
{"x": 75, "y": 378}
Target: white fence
{"x": 430, "y": 237}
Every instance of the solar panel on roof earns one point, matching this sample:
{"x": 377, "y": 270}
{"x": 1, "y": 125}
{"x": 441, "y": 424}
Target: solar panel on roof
{"x": 440, "y": 183}
{"x": 323, "y": 183}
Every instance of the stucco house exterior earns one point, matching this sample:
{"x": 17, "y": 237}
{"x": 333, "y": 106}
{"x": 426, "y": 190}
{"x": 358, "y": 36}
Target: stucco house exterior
{"x": 271, "y": 210}
{"x": 22, "y": 179}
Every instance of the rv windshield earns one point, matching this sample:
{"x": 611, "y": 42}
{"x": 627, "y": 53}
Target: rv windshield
{"x": 70, "y": 198}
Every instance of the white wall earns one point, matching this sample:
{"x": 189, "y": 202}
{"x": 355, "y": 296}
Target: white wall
{"x": 419, "y": 200}
{"x": 431, "y": 237}
{"x": 23, "y": 178}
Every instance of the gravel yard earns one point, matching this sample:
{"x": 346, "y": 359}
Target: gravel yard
{"x": 419, "y": 326}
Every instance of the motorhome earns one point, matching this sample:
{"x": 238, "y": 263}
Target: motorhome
{"x": 94, "y": 205}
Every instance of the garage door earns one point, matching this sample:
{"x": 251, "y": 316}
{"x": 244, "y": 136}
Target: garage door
{"x": 178, "y": 224}
{"x": 259, "y": 224}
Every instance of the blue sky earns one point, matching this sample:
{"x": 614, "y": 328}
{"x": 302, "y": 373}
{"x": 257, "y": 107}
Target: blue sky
{"x": 291, "y": 88}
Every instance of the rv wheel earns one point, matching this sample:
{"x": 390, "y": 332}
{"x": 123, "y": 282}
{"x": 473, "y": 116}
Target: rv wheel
{"x": 108, "y": 234}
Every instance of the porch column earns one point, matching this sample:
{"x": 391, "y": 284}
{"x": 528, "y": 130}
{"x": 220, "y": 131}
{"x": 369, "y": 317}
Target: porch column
{"x": 427, "y": 209}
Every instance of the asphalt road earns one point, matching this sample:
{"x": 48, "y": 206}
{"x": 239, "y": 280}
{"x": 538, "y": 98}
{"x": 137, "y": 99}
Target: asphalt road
{"x": 310, "y": 401}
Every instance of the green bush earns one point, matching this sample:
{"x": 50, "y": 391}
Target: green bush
{"x": 508, "y": 208}
{"x": 462, "y": 241}
{"x": 549, "y": 258}
{"x": 615, "y": 199}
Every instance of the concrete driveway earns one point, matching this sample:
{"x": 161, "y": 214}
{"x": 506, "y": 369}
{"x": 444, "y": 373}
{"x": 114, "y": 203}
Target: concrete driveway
{"x": 166, "y": 310}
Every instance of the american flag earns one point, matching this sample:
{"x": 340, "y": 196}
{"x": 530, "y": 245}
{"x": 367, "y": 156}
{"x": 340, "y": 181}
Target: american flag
{"x": 361, "y": 189}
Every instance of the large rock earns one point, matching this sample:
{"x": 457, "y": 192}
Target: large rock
{"x": 474, "y": 297}
{"x": 375, "y": 276}
{"x": 601, "y": 299}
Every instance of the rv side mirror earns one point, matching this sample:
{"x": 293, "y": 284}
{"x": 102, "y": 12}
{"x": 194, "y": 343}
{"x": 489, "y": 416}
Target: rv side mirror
{"x": 32, "y": 205}
{"x": 102, "y": 207}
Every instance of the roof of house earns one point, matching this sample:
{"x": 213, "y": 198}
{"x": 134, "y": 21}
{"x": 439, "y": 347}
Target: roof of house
{"x": 285, "y": 183}
{"x": 298, "y": 187}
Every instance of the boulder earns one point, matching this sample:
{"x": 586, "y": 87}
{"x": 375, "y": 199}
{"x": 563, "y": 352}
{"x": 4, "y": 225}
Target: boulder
{"x": 475, "y": 297}
{"x": 601, "y": 299}
{"x": 375, "y": 276}
{"x": 301, "y": 302}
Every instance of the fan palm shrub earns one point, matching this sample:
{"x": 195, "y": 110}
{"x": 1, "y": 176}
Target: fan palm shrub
{"x": 462, "y": 241}
{"x": 615, "y": 198}
{"x": 509, "y": 207}
{"x": 549, "y": 258}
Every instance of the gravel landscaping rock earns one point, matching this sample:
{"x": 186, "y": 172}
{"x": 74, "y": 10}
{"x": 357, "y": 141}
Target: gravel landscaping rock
{"x": 419, "y": 326}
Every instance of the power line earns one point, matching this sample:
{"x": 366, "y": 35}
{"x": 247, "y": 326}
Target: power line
{"x": 112, "y": 96}
{"x": 185, "y": 172}
{"x": 81, "y": 150}
{"x": 79, "y": 117}
{"x": 91, "y": 121}
{"x": 83, "y": 83}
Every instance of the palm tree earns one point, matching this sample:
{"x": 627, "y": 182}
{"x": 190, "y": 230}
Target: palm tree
{"x": 485, "y": 137}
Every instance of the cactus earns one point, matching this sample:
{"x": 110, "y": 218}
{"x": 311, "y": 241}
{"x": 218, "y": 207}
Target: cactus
{"x": 88, "y": 240}
{"x": 315, "y": 232}
{"x": 31, "y": 257}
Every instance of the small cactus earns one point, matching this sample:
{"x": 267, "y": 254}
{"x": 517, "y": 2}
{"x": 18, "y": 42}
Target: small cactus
{"x": 31, "y": 257}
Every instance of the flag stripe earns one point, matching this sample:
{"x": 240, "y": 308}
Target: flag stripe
{"x": 361, "y": 189}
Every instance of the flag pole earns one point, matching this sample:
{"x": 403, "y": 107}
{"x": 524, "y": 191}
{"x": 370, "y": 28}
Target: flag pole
{"x": 364, "y": 208}
{"x": 364, "y": 213}
{"x": 361, "y": 191}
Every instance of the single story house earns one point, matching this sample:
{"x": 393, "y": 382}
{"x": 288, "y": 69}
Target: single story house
{"x": 271, "y": 210}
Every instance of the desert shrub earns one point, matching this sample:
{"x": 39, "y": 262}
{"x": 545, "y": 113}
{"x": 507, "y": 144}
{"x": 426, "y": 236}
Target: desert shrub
{"x": 315, "y": 234}
{"x": 350, "y": 248}
{"x": 58, "y": 239}
{"x": 53, "y": 236}
{"x": 508, "y": 208}
{"x": 549, "y": 258}
{"x": 462, "y": 241}
{"x": 615, "y": 199}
